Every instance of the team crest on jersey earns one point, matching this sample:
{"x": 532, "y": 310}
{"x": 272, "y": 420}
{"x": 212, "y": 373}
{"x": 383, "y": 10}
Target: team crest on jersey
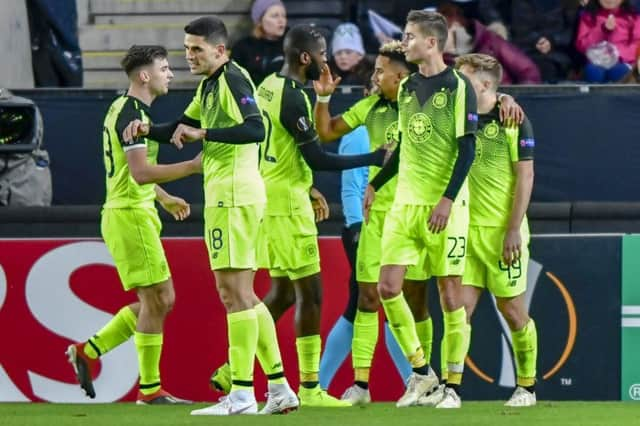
{"x": 391, "y": 132}
{"x": 491, "y": 130}
{"x": 209, "y": 101}
{"x": 439, "y": 100}
{"x": 420, "y": 128}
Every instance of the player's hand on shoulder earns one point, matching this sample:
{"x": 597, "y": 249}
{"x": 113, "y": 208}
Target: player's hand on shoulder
{"x": 176, "y": 207}
{"x": 440, "y": 215}
{"x": 369, "y": 198}
{"x": 511, "y": 246}
{"x": 511, "y": 113}
{"x": 135, "y": 129}
{"x": 326, "y": 85}
{"x": 319, "y": 204}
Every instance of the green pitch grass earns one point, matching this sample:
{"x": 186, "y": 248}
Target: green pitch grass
{"x": 472, "y": 413}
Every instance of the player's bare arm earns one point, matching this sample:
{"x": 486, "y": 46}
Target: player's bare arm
{"x": 144, "y": 173}
{"x": 175, "y": 206}
{"x": 524, "y": 185}
{"x": 367, "y": 202}
{"x": 328, "y": 128}
{"x": 319, "y": 204}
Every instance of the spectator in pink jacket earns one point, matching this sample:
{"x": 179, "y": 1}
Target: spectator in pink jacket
{"x": 470, "y": 36}
{"x": 608, "y": 35}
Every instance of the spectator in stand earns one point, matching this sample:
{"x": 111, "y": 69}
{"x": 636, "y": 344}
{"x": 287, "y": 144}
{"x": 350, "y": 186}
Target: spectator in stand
{"x": 261, "y": 53}
{"x": 608, "y": 35}
{"x": 543, "y": 29}
{"x": 348, "y": 60}
{"x": 470, "y": 36}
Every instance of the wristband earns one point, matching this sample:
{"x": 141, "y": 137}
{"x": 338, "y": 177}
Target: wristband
{"x": 323, "y": 99}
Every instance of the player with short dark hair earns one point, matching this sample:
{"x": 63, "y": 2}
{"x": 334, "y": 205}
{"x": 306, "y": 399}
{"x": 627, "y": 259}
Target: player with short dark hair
{"x": 289, "y": 237}
{"x": 131, "y": 227}
{"x": 224, "y": 115}
{"x": 290, "y": 245}
{"x": 437, "y": 121}
{"x": 379, "y": 114}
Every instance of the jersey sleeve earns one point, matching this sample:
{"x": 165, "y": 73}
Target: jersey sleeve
{"x": 466, "y": 108}
{"x": 126, "y": 116}
{"x": 296, "y": 118}
{"x": 524, "y": 145}
{"x": 357, "y": 114}
{"x": 242, "y": 91}
{"x": 193, "y": 109}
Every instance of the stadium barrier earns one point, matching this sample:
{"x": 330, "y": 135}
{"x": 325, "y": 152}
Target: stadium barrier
{"x": 55, "y": 291}
{"x": 84, "y": 221}
{"x": 585, "y": 141}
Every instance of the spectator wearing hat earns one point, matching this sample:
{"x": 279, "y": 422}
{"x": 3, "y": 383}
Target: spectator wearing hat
{"x": 348, "y": 60}
{"x": 261, "y": 53}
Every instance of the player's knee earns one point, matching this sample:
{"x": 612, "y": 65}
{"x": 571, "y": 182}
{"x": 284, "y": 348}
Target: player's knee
{"x": 515, "y": 317}
{"x": 450, "y": 301}
{"x": 369, "y": 300}
{"x": 387, "y": 290}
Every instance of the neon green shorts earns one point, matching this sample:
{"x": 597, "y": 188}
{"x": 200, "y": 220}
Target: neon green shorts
{"x": 406, "y": 236}
{"x": 485, "y": 268}
{"x": 133, "y": 239}
{"x": 231, "y": 235}
{"x": 288, "y": 246}
{"x": 370, "y": 250}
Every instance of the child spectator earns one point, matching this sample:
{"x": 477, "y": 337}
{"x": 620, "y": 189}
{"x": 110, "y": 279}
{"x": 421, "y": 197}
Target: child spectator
{"x": 608, "y": 35}
{"x": 261, "y": 53}
{"x": 348, "y": 60}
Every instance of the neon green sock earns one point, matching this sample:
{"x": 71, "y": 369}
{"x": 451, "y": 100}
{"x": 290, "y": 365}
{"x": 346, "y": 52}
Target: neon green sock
{"x": 444, "y": 371}
{"x": 149, "y": 347}
{"x": 309, "y": 348}
{"x": 113, "y": 334}
{"x": 457, "y": 334}
{"x": 425, "y": 334}
{"x": 365, "y": 337}
{"x": 268, "y": 350}
{"x": 525, "y": 348}
{"x": 403, "y": 327}
{"x": 243, "y": 341}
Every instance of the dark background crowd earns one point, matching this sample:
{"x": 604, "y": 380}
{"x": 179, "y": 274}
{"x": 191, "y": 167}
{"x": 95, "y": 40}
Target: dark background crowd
{"x": 536, "y": 41}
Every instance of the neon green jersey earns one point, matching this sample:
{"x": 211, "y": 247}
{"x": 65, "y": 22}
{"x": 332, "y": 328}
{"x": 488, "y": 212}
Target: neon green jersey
{"x": 380, "y": 117}
{"x": 492, "y": 178}
{"x": 122, "y": 189}
{"x": 433, "y": 112}
{"x": 289, "y": 122}
{"x": 231, "y": 175}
